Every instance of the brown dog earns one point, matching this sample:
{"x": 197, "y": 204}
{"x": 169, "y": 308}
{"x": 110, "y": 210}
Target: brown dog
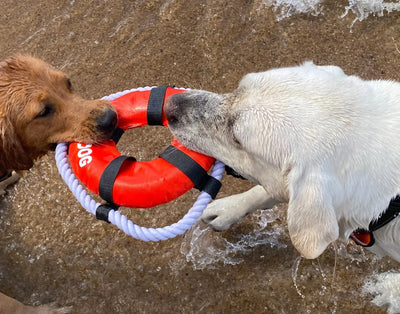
{"x": 39, "y": 109}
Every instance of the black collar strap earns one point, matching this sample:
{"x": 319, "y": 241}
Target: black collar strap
{"x": 230, "y": 171}
{"x": 366, "y": 237}
{"x": 391, "y": 213}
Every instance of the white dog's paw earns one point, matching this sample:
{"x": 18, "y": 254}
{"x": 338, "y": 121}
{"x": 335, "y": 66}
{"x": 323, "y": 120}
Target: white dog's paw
{"x": 223, "y": 213}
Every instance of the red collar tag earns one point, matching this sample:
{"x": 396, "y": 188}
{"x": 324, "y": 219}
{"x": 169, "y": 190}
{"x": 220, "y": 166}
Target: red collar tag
{"x": 363, "y": 237}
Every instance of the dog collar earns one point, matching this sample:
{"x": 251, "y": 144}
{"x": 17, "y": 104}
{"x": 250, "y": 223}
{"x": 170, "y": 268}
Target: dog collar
{"x": 366, "y": 237}
{"x": 230, "y": 171}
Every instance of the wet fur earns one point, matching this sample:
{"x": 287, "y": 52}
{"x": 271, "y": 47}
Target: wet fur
{"x": 324, "y": 142}
{"x": 38, "y": 109}
{"x": 28, "y": 87}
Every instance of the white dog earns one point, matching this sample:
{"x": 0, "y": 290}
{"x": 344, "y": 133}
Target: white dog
{"x": 325, "y": 142}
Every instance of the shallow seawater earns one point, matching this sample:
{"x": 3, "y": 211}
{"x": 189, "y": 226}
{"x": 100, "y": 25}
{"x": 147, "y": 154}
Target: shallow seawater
{"x": 206, "y": 249}
{"x": 52, "y": 250}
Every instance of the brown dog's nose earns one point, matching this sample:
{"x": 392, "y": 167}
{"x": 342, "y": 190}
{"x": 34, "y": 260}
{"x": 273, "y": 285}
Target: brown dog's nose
{"x": 107, "y": 122}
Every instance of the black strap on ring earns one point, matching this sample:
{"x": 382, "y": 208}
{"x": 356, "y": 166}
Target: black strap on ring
{"x": 116, "y": 136}
{"x": 155, "y": 105}
{"x": 108, "y": 177}
{"x": 202, "y": 181}
{"x": 103, "y": 210}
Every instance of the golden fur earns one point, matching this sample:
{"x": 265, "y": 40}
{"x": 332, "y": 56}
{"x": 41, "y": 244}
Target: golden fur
{"x": 38, "y": 109}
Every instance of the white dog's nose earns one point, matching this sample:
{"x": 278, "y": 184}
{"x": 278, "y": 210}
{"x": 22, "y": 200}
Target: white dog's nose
{"x": 172, "y": 107}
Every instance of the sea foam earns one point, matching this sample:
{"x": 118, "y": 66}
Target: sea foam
{"x": 205, "y": 248}
{"x": 361, "y": 8}
{"x": 385, "y": 288}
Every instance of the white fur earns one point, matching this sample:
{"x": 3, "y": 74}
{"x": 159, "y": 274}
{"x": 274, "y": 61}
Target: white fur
{"x": 325, "y": 142}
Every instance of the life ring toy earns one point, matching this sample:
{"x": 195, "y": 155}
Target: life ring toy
{"x": 123, "y": 181}
{"x": 113, "y": 216}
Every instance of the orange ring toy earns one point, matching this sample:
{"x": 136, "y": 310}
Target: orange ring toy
{"x": 122, "y": 180}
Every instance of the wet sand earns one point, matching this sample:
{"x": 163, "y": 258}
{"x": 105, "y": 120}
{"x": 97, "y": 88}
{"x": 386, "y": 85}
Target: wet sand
{"x": 53, "y": 251}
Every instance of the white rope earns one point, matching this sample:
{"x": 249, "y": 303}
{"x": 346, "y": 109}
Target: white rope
{"x": 115, "y": 217}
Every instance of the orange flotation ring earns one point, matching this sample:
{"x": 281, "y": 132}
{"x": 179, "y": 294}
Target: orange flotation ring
{"x": 122, "y": 180}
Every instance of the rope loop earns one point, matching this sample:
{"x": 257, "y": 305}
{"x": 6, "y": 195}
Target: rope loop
{"x": 121, "y": 221}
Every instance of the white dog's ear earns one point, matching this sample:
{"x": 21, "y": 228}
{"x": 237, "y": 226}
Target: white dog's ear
{"x": 311, "y": 217}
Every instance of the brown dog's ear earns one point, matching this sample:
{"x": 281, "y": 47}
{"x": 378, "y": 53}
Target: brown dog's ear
{"x": 12, "y": 153}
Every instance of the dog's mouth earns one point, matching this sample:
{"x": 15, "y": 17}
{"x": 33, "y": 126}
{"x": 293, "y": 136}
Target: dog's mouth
{"x": 53, "y": 146}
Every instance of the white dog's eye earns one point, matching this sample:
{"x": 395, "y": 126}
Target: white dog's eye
{"x": 231, "y": 128}
{"x": 236, "y": 140}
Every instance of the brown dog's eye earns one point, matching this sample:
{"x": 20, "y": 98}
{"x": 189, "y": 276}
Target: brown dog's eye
{"x": 47, "y": 110}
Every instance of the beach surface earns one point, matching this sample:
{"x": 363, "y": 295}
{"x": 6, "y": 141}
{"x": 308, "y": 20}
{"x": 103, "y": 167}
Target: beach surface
{"x": 53, "y": 251}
